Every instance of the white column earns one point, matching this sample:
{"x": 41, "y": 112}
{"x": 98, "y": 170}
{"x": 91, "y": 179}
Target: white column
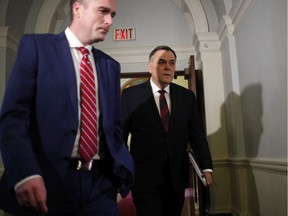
{"x": 208, "y": 58}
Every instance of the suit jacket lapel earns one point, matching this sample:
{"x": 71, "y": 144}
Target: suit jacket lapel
{"x": 173, "y": 100}
{"x": 151, "y": 101}
{"x": 67, "y": 70}
{"x": 101, "y": 66}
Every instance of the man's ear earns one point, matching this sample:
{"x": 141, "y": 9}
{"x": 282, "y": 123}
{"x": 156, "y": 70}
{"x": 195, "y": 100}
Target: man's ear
{"x": 77, "y": 9}
{"x": 149, "y": 67}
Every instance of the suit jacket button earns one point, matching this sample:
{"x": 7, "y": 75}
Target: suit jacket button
{"x": 74, "y": 132}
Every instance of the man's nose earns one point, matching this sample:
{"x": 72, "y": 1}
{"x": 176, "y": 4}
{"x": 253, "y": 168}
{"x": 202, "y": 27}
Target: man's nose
{"x": 109, "y": 19}
{"x": 168, "y": 65}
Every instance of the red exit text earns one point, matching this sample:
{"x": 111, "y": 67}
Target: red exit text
{"x": 124, "y": 34}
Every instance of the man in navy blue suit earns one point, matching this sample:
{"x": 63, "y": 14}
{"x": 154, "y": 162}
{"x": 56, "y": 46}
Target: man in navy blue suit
{"x": 159, "y": 149}
{"x": 41, "y": 118}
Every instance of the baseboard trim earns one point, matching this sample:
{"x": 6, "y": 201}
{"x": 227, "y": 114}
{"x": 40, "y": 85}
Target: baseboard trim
{"x": 278, "y": 166}
{"x": 221, "y": 214}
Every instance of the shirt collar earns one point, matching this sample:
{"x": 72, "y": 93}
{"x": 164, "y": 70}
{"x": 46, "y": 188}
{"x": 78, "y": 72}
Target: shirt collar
{"x": 155, "y": 88}
{"x": 74, "y": 41}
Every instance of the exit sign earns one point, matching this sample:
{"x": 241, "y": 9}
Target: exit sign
{"x": 124, "y": 34}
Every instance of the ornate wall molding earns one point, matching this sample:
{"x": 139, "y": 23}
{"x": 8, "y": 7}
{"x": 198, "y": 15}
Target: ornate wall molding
{"x": 51, "y": 12}
{"x": 194, "y": 14}
{"x": 197, "y": 12}
{"x": 205, "y": 42}
{"x": 3, "y": 11}
{"x": 230, "y": 23}
{"x": 133, "y": 56}
{"x": 278, "y": 166}
{"x": 239, "y": 11}
{"x": 8, "y": 39}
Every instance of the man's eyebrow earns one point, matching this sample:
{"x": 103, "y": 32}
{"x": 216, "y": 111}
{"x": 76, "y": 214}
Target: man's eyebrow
{"x": 166, "y": 60}
{"x": 106, "y": 9}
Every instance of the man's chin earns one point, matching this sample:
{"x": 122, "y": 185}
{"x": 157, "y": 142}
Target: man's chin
{"x": 99, "y": 39}
{"x": 167, "y": 79}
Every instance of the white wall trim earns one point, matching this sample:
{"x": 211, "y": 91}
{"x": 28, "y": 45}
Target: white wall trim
{"x": 269, "y": 165}
{"x": 130, "y": 57}
{"x": 184, "y": 9}
{"x": 225, "y": 28}
{"x": 8, "y": 39}
{"x": 230, "y": 23}
{"x": 197, "y": 12}
{"x": 143, "y": 52}
{"x": 194, "y": 13}
{"x": 237, "y": 212}
{"x": 239, "y": 11}
{"x": 46, "y": 13}
{"x": 278, "y": 166}
{"x": 207, "y": 42}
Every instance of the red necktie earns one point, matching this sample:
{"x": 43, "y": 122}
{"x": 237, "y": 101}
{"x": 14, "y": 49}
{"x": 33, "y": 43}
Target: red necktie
{"x": 89, "y": 133}
{"x": 164, "y": 109}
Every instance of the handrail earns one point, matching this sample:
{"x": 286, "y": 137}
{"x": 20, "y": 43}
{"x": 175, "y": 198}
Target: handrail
{"x": 201, "y": 199}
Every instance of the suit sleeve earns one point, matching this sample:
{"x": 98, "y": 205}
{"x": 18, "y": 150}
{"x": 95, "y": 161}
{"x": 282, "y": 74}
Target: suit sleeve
{"x": 16, "y": 114}
{"x": 125, "y": 121}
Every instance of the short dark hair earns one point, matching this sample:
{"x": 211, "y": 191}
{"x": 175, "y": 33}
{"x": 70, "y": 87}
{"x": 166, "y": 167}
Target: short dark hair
{"x": 162, "y": 47}
{"x": 71, "y": 7}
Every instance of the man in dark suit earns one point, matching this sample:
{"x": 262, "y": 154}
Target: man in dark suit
{"x": 41, "y": 122}
{"x": 159, "y": 149}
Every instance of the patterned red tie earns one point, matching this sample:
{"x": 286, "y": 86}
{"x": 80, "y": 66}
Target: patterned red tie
{"x": 164, "y": 109}
{"x": 89, "y": 133}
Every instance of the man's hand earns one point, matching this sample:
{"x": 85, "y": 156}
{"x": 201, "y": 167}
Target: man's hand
{"x": 208, "y": 177}
{"x": 32, "y": 195}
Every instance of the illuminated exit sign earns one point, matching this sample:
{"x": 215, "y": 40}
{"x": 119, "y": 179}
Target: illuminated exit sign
{"x": 124, "y": 34}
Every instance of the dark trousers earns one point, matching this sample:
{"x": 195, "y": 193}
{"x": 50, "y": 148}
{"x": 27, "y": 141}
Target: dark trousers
{"x": 89, "y": 193}
{"x": 161, "y": 201}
